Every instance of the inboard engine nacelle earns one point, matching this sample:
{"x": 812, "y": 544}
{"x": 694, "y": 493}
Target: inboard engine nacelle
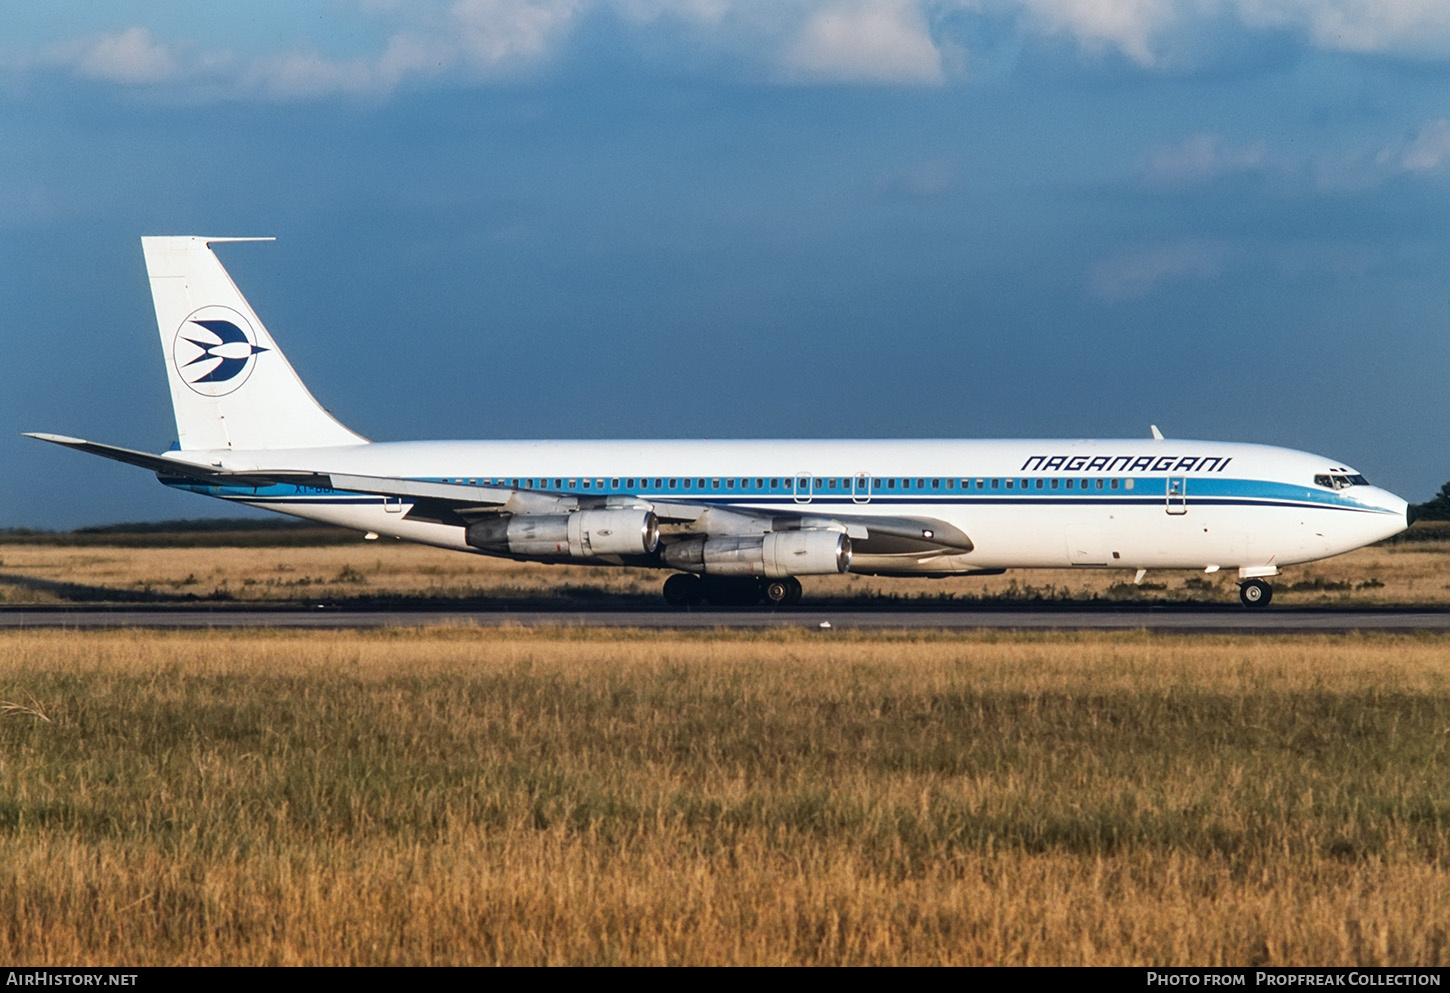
{"x": 580, "y": 535}
{"x": 775, "y": 555}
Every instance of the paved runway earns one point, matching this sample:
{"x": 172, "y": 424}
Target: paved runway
{"x": 1182, "y": 619}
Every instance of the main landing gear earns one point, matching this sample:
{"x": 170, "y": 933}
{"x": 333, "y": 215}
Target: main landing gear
{"x": 686, "y": 589}
{"x": 1255, "y": 593}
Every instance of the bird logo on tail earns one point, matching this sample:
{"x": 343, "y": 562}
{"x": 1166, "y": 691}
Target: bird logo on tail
{"x": 215, "y": 350}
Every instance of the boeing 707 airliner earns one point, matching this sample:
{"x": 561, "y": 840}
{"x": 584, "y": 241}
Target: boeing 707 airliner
{"x": 734, "y": 521}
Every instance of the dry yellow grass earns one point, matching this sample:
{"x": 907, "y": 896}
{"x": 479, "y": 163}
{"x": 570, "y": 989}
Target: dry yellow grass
{"x": 1411, "y": 573}
{"x": 470, "y": 796}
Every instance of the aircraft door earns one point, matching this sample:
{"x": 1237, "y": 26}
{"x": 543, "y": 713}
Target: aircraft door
{"x": 802, "y": 487}
{"x": 861, "y": 488}
{"x": 1177, "y": 495}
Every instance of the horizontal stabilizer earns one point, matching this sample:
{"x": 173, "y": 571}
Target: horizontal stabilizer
{"x": 218, "y": 475}
{"x": 156, "y": 463}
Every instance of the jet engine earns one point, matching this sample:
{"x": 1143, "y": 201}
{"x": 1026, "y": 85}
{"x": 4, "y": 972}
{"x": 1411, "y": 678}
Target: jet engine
{"x": 775, "y": 555}
{"x": 581, "y": 535}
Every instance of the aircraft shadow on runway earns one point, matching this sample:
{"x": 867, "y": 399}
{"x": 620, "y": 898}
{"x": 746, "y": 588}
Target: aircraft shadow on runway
{"x": 570, "y": 599}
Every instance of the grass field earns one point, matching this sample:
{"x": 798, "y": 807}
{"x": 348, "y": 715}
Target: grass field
{"x": 54, "y": 571}
{"x": 456, "y": 795}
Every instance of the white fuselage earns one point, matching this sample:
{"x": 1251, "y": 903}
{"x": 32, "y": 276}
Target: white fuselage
{"x": 1129, "y": 503}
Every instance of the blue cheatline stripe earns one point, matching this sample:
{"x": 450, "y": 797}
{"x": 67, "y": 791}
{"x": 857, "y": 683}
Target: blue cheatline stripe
{"x": 372, "y": 500}
{"x": 1201, "y": 492}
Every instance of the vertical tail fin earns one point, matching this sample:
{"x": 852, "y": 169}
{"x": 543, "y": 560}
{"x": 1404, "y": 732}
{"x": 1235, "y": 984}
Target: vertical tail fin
{"x": 231, "y": 386}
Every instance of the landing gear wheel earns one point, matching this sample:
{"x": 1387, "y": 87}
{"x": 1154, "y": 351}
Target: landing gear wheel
{"x": 1256, "y": 593}
{"x": 683, "y": 590}
{"x": 781, "y": 592}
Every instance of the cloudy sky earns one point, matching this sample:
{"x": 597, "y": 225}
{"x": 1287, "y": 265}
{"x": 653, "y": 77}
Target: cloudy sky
{"x": 738, "y": 218}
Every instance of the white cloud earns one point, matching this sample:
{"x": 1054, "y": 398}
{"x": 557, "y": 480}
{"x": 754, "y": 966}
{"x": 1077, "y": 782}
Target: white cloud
{"x": 130, "y": 57}
{"x": 1135, "y": 274}
{"x": 873, "y": 42}
{"x": 306, "y": 74}
{"x": 1138, "y": 28}
{"x": 478, "y": 38}
{"x": 1126, "y": 25}
{"x": 885, "y": 41}
{"x": 1426, "y": 152}
{"x": 704, "y": 11}
{"x": 496, "y": 32}
{"x": 1408, "y": 27}
{"x": 1203, "y": 157}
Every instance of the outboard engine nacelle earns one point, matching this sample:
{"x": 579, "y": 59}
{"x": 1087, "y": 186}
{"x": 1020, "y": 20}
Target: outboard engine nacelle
{"x": 774, "y": 556}
{"x": 583, "y": 534}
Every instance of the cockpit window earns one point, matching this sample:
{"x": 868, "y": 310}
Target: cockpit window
{"x": 1340, "y": 481}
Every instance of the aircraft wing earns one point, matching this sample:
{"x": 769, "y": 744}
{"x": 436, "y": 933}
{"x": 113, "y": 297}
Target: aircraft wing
{"x": 465, "y": 504}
